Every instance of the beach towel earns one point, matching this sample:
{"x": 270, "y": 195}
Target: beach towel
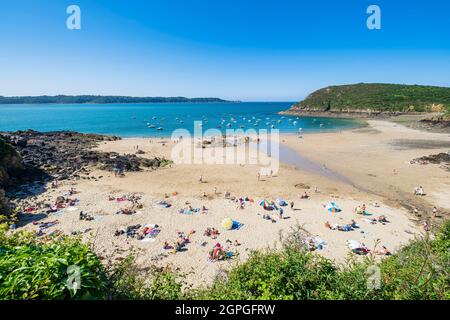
{"x": 236, "y": 225}
{"x": 355, "y": 245}
{"x": 333, "y": 207}
{"x": 164, "y": 204}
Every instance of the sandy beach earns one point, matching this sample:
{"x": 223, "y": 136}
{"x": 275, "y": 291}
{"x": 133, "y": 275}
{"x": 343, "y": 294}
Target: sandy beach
{"x": 373, "y": 161}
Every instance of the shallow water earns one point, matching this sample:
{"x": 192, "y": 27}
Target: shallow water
{"x": 291, "y": 157}
{"x": 133, "y": 120}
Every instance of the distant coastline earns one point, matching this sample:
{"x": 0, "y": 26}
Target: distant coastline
{"x": 93, "y": 99}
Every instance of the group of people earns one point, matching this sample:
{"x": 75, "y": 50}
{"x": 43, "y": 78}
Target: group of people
{"x": 220, "y": 252}
{"x": 180, "y": 243}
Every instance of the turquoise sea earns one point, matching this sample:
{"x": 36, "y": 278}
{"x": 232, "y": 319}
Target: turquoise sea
{"x": 143, "y": 120}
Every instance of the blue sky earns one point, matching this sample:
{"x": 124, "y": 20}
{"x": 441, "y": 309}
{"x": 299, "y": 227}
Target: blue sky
{"x": 262, "y": 50}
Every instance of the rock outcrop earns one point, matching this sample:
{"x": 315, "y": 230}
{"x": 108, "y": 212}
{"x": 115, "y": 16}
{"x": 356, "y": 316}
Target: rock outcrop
{"x": 10, "y": 165}
{"x": 64, "y": 154}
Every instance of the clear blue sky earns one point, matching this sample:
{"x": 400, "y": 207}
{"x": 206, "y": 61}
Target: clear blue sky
{"x": 235, "y": 49}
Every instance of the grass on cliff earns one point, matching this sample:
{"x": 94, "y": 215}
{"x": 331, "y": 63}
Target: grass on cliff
{"x": 30, "y": 269}
{"x": 380, "y": 97}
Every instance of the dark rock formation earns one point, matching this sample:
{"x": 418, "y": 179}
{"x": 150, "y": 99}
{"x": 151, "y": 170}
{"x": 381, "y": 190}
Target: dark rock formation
{"x": 65, "y": 154}
{"x": 10, "y": 166}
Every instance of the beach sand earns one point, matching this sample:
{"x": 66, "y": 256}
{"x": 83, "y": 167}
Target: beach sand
{"x": 366, "y": 157}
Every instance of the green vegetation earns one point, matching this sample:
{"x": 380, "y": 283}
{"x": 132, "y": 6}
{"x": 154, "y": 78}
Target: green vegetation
{"x": 5, "y": 150}
{"x": 30, "y": 269}
{"x": 378, "y": 97}
{"x": 419, "y": 271}
{"x": 100, "y": 99}
{"x": 33, "y": 270}
{"x": 38, "y": 269}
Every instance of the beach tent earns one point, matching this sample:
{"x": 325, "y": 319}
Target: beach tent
{"x": 333, "y": 207}
{"x": 264, "y": 203}
{"x": 227, "y": 223}
{"x": 281, "y": 202}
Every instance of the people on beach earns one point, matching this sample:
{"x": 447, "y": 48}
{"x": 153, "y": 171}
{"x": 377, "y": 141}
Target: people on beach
{"x": 418, "y": 191}
{"x": 304, "y": 195}
{"x": 382, "y": 251}
{"x": 435, "y": 212}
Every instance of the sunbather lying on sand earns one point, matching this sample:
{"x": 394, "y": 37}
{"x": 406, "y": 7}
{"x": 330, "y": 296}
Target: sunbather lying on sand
{"x": 382, "y": 251}
{"x": 268, "y": 217}
{"x": 167, "y": 246}
{"x": 127, "y": 211}
{"x": 346, "y": 227}
{"x": 211, "y": 232}
{"x": 85, "y": 216}
{"x": 361, "y": 209}
{"x": 304, "y": 196}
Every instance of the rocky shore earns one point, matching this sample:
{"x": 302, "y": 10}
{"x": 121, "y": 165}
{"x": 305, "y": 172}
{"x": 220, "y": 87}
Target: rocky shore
{"x": 342, "y": 113}
{"x": 31, "y": 157}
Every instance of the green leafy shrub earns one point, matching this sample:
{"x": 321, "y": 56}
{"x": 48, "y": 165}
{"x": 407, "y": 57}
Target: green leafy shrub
{"x": 31, "y": 270}
{"x": 129, "y": 282}
{"x": 419, "y": 271}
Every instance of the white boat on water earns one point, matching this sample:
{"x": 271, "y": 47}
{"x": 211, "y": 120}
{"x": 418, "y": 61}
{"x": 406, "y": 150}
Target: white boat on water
{"x": 160, "y": 128}
{"x": 151, "y": 126}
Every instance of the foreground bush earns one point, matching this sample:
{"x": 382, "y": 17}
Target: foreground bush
{"x": 30, "y": 269}
{"x": 129, "y": 282}
{"x": 420, "y": 270}
{"x": 33, "y": 269}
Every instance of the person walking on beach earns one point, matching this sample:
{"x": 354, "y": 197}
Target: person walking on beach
{"x": 116, "y": 170}
{"x": 292, "y": 205}
{"x": 259, "y": 176}
{"x": 200, "y": 179}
